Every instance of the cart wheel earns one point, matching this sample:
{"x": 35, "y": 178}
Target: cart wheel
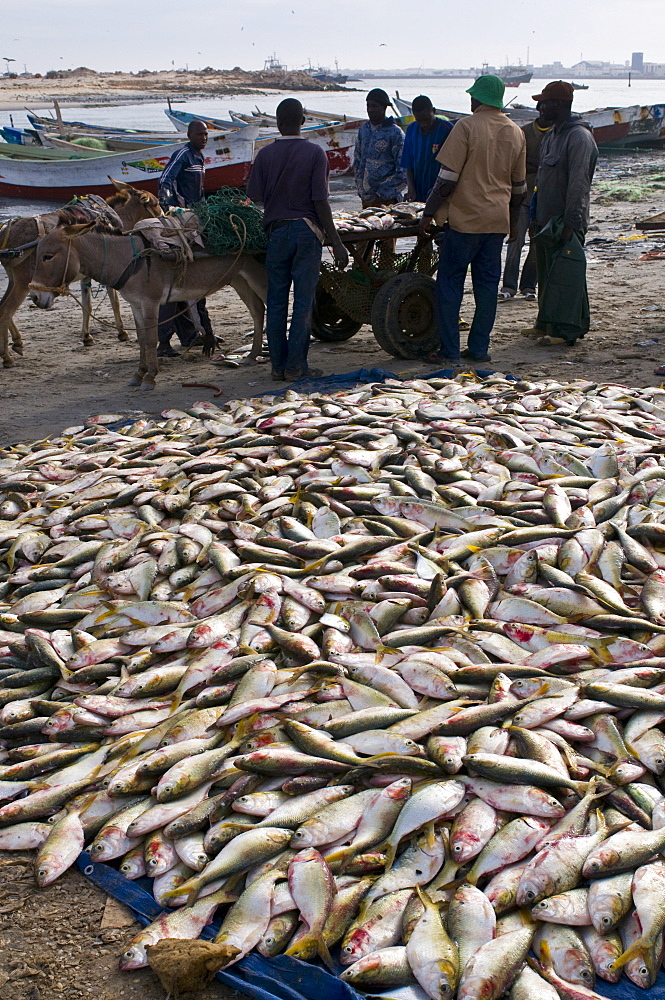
{"x": 329, "y": 322}
{"x": 403, "y": 316}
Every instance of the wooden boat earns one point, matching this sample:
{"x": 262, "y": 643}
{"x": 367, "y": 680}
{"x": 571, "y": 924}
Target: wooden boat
{"x": 14, "y": 151}
{"x": 51, "y": 124}
{"x": 112, "y": 143}
{"x": 182, "y": 120}
{"x": 239, "y": 119}
{"x": 613, "y": 128}
{"x": 60, "y": 174}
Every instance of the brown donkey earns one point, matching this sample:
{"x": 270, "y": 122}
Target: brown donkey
{"x": 145, "y": 281}
{"x": 130, "y": 204}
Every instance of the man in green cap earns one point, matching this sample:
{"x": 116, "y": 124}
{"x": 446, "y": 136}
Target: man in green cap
{"x": 476, "y": 199}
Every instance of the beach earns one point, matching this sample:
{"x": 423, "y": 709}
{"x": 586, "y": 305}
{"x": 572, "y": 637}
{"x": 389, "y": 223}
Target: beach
{"x": 54, "y": 947}
{"x": 58, "y": 383}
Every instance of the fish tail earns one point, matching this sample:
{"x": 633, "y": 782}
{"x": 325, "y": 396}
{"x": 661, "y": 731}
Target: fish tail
{"x": 340, "y": 858}
{"x": 323, "y": 953}
{"x": 178, "y": 695}
{"x": 391, "y": 852}
{"x": 181, "y": 890}
{"x": 640, "y": 948}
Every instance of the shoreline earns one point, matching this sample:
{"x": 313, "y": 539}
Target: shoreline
{"x": 92, "y": 89}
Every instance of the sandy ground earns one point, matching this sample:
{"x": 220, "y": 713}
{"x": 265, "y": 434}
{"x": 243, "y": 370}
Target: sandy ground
{"x": 121, "y": 88}
{"x": 52, "y": 944}
{"x": 57, "y": 382}
{"x": 63, "y": 942}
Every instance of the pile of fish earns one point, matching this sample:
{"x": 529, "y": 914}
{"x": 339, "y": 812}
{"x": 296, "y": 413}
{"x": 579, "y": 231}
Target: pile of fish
{"x": 378, "y": 673}
{"x": 403, "y": 214}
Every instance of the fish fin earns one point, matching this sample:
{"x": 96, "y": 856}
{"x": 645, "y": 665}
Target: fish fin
{"x": 641, "y": 947}
{"x": 545, "y": 954}
{"x": 431, "y": 834}
{"x": 382, "y": 651}
{"x": 525, "y": 916}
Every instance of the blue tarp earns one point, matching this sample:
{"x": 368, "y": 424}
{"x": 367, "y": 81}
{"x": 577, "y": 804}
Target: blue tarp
{"x": 284, "y": 978}
{"x": 347, "y": 380}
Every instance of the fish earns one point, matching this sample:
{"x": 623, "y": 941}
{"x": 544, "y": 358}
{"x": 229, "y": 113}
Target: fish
{"x": 361, "y": 670}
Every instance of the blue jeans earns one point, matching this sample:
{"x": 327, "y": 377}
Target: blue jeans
{"x": 293, "y": 257}
{"x": 457, "y": 250}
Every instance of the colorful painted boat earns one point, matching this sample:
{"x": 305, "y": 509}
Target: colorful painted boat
{"x": 613, "y": 128}
{"x": 228, "y": 161}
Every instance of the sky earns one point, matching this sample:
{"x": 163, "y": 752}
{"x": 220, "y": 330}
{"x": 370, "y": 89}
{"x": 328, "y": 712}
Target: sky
{"x": 161, "y": 34}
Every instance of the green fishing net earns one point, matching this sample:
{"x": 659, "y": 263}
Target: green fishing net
{"x": 231, "y": 223}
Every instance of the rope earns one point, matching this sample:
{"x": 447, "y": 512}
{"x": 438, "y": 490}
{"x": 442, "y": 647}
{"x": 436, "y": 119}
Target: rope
{"x": 231, "y": 223}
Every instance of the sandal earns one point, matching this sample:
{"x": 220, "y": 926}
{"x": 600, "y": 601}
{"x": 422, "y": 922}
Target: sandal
{"x": 506, "y": 294}
{"x": 530, "y": 296}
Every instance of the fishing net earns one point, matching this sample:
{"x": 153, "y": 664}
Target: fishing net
{"x": 231, "y": 223}
{"x": 354, "y": 290}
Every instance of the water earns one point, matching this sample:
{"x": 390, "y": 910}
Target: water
{"x": 448, "y": 94}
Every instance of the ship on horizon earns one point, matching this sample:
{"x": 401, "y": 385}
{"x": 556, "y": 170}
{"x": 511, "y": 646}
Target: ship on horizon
{"x": 512, "y": 76}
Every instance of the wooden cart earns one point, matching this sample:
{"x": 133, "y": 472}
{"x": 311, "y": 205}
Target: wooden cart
{"x": 393, "y": 291}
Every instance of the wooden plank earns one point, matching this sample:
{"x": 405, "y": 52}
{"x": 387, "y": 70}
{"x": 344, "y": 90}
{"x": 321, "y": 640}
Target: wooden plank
{"x": 394, "y": 233}
{"x": 653, "y": 222}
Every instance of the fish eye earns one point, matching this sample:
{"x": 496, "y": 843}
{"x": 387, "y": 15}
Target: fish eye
{"x": 644, "y": 971}
{"x": 457, "y": 848}
{"x": 585, "y": 974}
{"x": 606, "y": 921}
{"x": 594, "y": 866}
{"x": 530, "y": 894}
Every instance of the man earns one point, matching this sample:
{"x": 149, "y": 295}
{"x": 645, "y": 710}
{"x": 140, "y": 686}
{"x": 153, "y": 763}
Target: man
{"x": 533, "y": 133}
{"x": 380, "y": 178}
{"x": 290, "y": 178}
{"x": 181, "y": 185}
{"x": 480, "y": 187}
{"x": 424, "y": 138}
{"x": 568, "y": 156}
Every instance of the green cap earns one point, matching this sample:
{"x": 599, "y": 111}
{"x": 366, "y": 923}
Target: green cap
{"x": 488, "y": 89}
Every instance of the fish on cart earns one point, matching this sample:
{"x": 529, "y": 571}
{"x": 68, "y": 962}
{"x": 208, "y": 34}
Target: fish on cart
{"x": 374, "y": 678}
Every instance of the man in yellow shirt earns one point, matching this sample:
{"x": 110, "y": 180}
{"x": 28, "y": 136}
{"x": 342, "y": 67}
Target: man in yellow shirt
{"x": 476, "y": 199}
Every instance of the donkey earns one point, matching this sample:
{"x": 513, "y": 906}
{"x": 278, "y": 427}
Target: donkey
{"x": 145, "y": 281}
{"x": 129, "y": 203}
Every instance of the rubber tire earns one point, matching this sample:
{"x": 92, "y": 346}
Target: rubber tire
{"x": 329, "y": 322}
{"x": 404, "y": 317}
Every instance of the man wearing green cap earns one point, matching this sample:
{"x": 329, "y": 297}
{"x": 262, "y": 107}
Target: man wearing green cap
{"x": 476, "y": 199}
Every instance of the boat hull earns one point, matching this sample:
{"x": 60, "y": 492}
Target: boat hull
{"x": 615, "y": 128}
{"x": 227, "y": 164}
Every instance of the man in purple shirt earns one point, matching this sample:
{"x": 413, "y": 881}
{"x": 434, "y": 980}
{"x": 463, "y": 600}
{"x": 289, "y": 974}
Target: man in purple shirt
{"x": 290, "y": 178}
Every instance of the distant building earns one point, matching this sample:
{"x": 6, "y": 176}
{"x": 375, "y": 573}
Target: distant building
{"x": 589, "y": 67}
{"x": 653, "y": 69}
{"x": 637, "y": 62}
